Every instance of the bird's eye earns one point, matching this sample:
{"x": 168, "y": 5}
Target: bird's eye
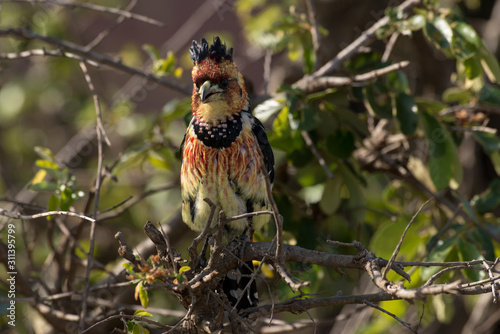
{"x": 224, "y": 82}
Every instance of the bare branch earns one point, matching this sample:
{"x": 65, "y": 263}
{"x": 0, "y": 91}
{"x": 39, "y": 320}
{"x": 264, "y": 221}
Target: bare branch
{"x": 100, "y": 58}
{"x": 362, "y": 40}
{"x": 404, "y": 323}
{"x": 323, "y": 83}
{"x": 16, "y": 215}
{"x": 101, "y": 135}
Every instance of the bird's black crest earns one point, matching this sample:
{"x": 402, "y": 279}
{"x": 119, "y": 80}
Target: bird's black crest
{"x": 216, "y": 51}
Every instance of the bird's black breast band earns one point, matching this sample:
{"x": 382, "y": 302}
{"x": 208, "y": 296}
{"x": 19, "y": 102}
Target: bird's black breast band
{"x": 221, "y": 135}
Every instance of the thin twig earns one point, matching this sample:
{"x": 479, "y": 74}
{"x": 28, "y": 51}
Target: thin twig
{"x": 493, "y": 289}
{"x": 314, "y": 29}
{"x": 323, "y": 83}
{"x": 100, "y": 136}
{"x": 126, "y": 316}
{"x": 389, "y": 47}
{"x": 401, "y": 321}
{"x": 100, "y": 37}
{"x": 131, "y": 201}
{"x": 43, "y": 52}
{"x": 16, "y": 215}
{"x": 97, "y": 8}
{"x": 193, "y": 248}
{"x": 398, "y": 246}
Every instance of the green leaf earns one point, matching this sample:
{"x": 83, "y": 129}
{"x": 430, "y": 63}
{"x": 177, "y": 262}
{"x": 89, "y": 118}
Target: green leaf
{"x": 416, "y": 22}
{"x": 456, "y": 94}
{"x": 142, "y": 294}
{"x": 330, "y": 200}
{"x": 45, "y": 154}
{"x": 378, "y": 100}
{"x": 468, "y": 252}
{"x": 490, "y": 64}
{"x": 472, "y": 67}
{"x": 142, "y": 313}
{"x": 489, "y": 141}
{"x": 341, "y": 144}
{"x": 268, "y": 108}
{"x": 438, "y": 254}
{"x": 490, "y": 199}
{"x": 184, "y": 268}
{"x": 158, "y": 160}
{"x": 490, "y": 94}
{"x": 439, "y": 32}
{"x": 47, "y": 164}
{"x": 397, "y": 82}
{"x": 444, "y": 164}
{"x": 308, "y": 117}
{"x": 465, "y": 41}
{"x": 66, "y": 199}
{"x": 152, "y": 51}
{"x": 406, "y": 113}
{"x": 137, "y": 329}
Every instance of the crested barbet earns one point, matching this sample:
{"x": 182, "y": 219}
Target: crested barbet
{"x": 222, "y": 153}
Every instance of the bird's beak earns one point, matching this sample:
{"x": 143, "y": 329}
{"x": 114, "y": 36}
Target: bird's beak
{"x": 206, "y": 90}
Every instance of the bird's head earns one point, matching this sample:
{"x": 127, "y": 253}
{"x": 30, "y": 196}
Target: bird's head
{"x": 218, "y": 87}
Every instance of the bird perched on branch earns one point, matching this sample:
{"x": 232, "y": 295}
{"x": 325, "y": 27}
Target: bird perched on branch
{"x": 222, "y": 153}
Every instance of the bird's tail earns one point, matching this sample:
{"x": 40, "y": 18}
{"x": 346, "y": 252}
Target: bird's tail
{"x": 239, "y": 287}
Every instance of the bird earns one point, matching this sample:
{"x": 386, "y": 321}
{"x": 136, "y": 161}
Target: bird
{"x": 222, "y": 154}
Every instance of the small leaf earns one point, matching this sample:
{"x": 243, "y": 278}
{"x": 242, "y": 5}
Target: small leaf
{"x": 152, "y": 51}
{"x": 416, "y": 22}
{"x": 406, "y": 113}
{"x": 472, "y": 67}
{"x": 184, "y": 269}
{"x": 137, "y": 329}
{"x": 465, "y": 41}
{"x": 142, "y": 313}
{"x": 39, "y": 176}
{"x": 456, "y": 94}
{"x": 45, "y": 154}
{"x": 46, "y": 164}
{"x": 143, "y": 296}
{"x": 439, "y": 32}
{"x": 268, "y": 108}
{"x": 128, "y": 267}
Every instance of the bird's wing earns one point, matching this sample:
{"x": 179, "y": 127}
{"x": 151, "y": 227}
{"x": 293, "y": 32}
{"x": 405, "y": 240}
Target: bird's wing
{"x": 260, "y": 134}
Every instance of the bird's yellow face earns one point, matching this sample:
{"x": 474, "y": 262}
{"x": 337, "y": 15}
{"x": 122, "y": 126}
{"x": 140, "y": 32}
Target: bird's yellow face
{"x": 218, "y": 91}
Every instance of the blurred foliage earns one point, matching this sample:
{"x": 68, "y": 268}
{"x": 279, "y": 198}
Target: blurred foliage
{"x": 47, "y": 102}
